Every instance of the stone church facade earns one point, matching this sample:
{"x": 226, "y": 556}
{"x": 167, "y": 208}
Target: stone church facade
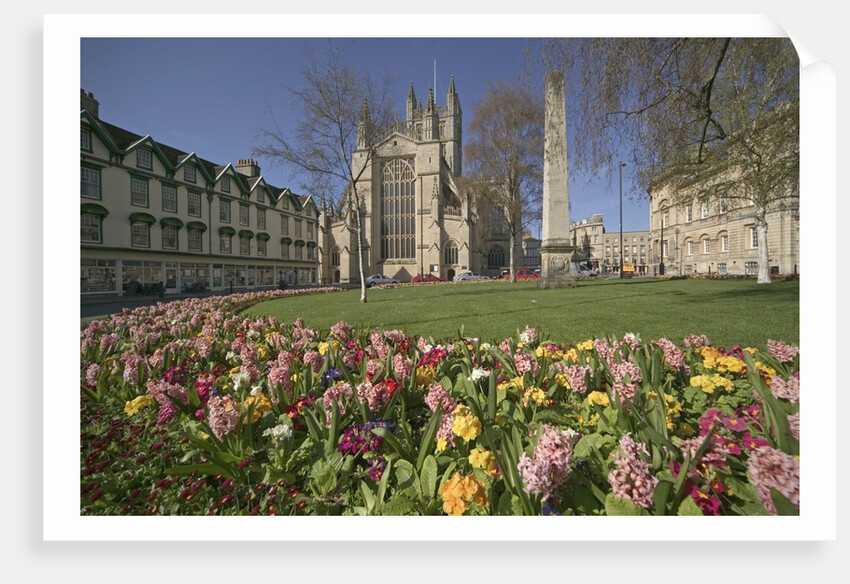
{"x": 417, "y": 219}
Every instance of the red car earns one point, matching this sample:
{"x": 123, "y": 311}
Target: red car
{"x": 524, "y": 274}
{"x": 426, "y": 278}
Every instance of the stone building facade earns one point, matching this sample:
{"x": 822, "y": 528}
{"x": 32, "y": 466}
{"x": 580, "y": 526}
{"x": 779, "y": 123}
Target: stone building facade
{"x": 152, "y": 215}
{"x": 416, "y": 217}
{"x": 717, "y": 236}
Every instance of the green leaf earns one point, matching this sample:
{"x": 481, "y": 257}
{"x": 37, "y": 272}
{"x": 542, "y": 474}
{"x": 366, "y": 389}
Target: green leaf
{"x": 333, "y": 433}
{"x": 312, "y": 425}
{"x": 368, "y": 497}
{"x": 393, "y": 442}
{"x": 615, "y": 505}
{"x": 689, "y": 508}
{"x": 429, "y": 436}
{"x": 382, "y": 486}
{"x": 659, "y": 496}
{"x": 782, "y": 504}
{"x": 407, "y": 479}
{"x": 398, "y": 505}
{"x": 491, "y": 397}
{"x": 429, "y": 476}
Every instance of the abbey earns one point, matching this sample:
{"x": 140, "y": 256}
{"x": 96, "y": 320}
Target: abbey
{"x": 416, "y": 217}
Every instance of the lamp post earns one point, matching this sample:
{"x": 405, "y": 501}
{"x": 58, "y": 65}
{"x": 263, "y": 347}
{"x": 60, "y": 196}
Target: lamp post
{"x": 622, "y": 164}
{"x": 661, "y": 254}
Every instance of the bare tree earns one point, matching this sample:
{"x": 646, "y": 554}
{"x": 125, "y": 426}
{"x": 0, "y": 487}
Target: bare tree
{"x": 342, "y": 109}
{"x": 718, "y": 115}
{"x": 505, "y": 158}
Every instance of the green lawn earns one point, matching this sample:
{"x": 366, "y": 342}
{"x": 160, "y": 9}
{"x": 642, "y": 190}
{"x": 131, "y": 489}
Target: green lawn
{"x": 728, "y": 312}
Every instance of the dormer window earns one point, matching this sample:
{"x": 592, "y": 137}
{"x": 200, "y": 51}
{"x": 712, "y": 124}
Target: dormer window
{"x": 225, "y": 184}
{"x": 189, "y": 173}
{"x": 144, "y": 158}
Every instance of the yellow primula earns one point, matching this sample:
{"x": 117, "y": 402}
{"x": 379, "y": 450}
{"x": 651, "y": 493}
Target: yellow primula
{"x": 261, "y": 403}
{"x": 482, "y": 458}
{"x": 441, "y": 444}
{"x": 323, "y": 348}
{"x": 703, "y": 382}
{"x": 133, "y": 406}
{"x": 767, "y": 372}
{"x": 594, "y": 417}
{"x": 465, "y": 423}
{"x": 425, "y": 375}
{"x": 515, "y": 383}
{"x": 599, "y": 398}
{"x": 571, "y": 355}
{"x": 586, "y": 345}
{"x": 460, "y": 491}
{"x": 536, "y": 395}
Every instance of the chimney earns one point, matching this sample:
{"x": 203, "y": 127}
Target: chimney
{"x": 89, "y": 103}
{"x": 248, "y": 167}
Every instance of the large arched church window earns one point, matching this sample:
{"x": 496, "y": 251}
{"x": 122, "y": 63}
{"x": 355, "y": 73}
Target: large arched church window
{"x": 496, "y": 257}
{"x": 450, "y": 253}
{"x": 398, "y": 197}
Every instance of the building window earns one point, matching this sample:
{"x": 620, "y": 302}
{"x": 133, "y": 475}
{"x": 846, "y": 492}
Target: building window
{"x": 495, "y": 257}
{"x": 751, "y": 268}
{"x": 225, "y": 184}
{"x": 244, "y": 246}
{"x": 664, "y": 249}
{"x": 398, "y": 226}
{"x": 261, "y": 195}
{"x": 194, "y": 204}
{"x": 704, "y": 213}
{"x": 89, "y": 182}
{"x": 284, "y": 202}
{"x": 140, "y": 235}
{"x": 189, "y": 173}
{"x": 310, "y": 230}
{"x": 754, "y": 238}
{"x": 450, "y": 254}
{"x": 244, "y": 215}
{"x": 144, "y": 159}
{"x": 85, "y": 140}
{"x": 689, "y": 213}
{"x": 298, "y": 228}
{"x": 724, "y": 243}
{"x": 284, "y": 251}
{"x": 261, "y": 247}
{"x": 724, "y": 204}
{"x": 195, "y": 240}
{"x": 721, "y": 269}
{"x": 311, "y": 253}
{"x": 169, "y": 198}
{"x": 284, "y": 225}
{"x": 335, "y": 257}
{"x": 261, "y": 218}
{"x": 299, "y": 252}
{"x": 138, "y": 192}
{"x": 690, "y": 248}
{"x": 688, "y": 269}
{"x": 90, "y": 228}
{"x": 169, "y": 237}
{"x": 224, "y": 243}
{"x": 224, "y": 211}
{"x": 706, "y": 245}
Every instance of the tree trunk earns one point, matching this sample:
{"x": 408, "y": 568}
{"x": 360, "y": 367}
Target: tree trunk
{"x": 360, "y": 252}
{"x": 761, "y": 235}
{"x": 512, "y": 247}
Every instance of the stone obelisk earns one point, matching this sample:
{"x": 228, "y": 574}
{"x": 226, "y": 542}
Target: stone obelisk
{"x": 556, "y": 251}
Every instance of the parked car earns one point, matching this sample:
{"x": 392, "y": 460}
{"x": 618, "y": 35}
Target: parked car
{"x": 426, "y": 278}
{"x": 523, "y": 274}
{"x": 379, "y": 280}
{"x": 467, "y": 276}
{"x": 585, "y": 272}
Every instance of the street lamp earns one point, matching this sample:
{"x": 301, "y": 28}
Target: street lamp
{"x": 622, "y": 164}
{"x": 661, "y": 255}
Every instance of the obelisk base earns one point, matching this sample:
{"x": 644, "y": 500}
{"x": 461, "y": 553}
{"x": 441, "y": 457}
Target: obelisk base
{"x": 556, "y": 267}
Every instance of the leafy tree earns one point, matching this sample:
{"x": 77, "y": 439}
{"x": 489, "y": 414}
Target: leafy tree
{"x": 713, "y": 117}
{"x": 342, "y": 109}
{"x": 505, "y": 157}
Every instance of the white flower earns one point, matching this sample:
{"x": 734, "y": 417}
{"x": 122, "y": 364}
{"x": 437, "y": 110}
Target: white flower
{"x": 281, "y": 431}
{"x": 484, "y": 347}
{"x": 253, "y": 335}
{"x": 478, "y": 373}
{"x": 256, "y": 389}
{"x": 231, "y": 356}
{"x": 240, "y": 380}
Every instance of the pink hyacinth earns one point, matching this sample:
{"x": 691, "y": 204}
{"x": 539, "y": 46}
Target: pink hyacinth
{"x": 782, "y": 352}
{"x": 794, "y": 425}
{"x": 223, "y": 415}
{"x": 789, "y": 389}
{"x": 576, "y": 375}
{"x": 673, "y": 355}
{"x": 631, "y": 478}
{"x": 91, "y": 374}
{"x": 696, "y": 341}
{"x": 438, "y": 396}
{"x": 773, "y": 469}
{"x": 550, "y": 466}
{"x": 314, "y": 359}
{"x": 335, "y": 394}
{"x": 402, "y": 367}
{"x": 376, "y": 396}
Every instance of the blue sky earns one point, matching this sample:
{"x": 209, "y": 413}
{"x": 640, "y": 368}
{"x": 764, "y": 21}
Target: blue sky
{"x": 211, "y": 95}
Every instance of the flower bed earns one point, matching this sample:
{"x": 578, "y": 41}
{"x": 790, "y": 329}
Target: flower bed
{"x": 189, "y": 409}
